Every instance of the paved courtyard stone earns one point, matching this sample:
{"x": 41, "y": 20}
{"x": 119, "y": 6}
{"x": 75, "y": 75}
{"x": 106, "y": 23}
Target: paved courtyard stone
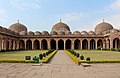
{"x": 60, "y": 66}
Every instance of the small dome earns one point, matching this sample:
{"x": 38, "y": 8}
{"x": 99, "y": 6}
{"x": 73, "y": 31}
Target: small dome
{"x": 1, "y": 29}
{"x": 5, "y": 30}
{"x": 23, "y": 33}
{"x": 114, "y": 31}
{"x": 84, "y": 33}
{"x": 37, "y": 33}
{"x": 17, "y": 27}
{"x": 67, "y": 33}
{"x": 60, "y": 26}
{"x": 91, "y": 33}
{"x": 45, "y": 33}
{"x": 61, "y": 33}
{"x": 53, "y": 33}
{"x": 76, "y": 33}
{"x": 30, "y": 33}
{"x": 103, "y": 27}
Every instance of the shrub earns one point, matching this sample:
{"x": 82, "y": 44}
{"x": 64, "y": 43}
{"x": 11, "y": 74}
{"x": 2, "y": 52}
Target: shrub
{"x": 118, "y": 49}
{"x": 77, "y": 54}
{"x": 41, "y": 56}
{"x": 88, "y": 58}
{"x": 113, "y": 49}
{"x": 82, "y": 57}
{"x": 74, "y": 53}
{"x": 44, "y": 55}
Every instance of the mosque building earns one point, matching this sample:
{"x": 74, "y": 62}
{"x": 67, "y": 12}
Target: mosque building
{"x": 17, "y": 37}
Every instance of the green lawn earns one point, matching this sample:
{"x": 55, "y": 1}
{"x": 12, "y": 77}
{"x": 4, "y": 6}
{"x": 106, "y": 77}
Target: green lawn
{"x": 100, "y": 55}
{"x": 20, "y": 55}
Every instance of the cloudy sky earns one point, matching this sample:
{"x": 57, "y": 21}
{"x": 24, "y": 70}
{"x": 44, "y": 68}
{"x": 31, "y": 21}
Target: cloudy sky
{"x": 40, "y": 15}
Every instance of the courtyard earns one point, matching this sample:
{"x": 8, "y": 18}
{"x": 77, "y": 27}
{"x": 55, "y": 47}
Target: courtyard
{"x": 61, "y": 66}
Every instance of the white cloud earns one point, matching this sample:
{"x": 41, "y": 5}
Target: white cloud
{"x": 115, "y": 5}
{"x": 23, "y": 4}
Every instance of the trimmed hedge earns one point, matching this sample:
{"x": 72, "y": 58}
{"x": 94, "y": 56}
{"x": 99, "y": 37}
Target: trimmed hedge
{"x": 16, "y": 61}
{"x": 99, "y": 61}
{"x": 72, "y": 57}
{"x": 47, "y": 59}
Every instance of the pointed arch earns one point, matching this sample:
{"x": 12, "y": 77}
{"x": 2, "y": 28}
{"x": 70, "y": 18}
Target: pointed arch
{"x": 7, "y": 45}
{"x": 99, "y": 43}
{"x": 29, "y": 45}
{"x": 116, "y": 43}
{"x": 77, "y": 44}
{"x": 53, "y": 44}
{"x": 68, "y": 44}
{"x": 61, "y": 44}
{"x": 84, "y": 44}
{"x": 44, "y": 44}
{"x": 22, "y": 44}
{"x": 92, "y": 44}
{"x": 36, "y": 45}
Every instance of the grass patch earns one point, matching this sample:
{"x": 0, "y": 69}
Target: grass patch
{"x": 100, "y": 55}
{"x": 20, "y": 55}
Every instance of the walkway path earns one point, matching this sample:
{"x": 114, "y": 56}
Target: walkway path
{"x": 61, "y": 66}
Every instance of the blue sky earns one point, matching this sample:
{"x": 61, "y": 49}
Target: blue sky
{"x": 40, "y": 15}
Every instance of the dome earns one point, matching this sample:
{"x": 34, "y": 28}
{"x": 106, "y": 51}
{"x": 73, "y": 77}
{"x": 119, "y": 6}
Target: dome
{"x": 60, "y": 26}
{"x": 91, "y": 33}
{"x": 103, "y": 27}
{"x": 114, "y": 31}
{"x": 45, "y": 33}
{"x": 53, "y": 33}
{"x": 67, "y": 33}
{"x": 84, "y": 33}
{"x": 17, "y": 27}
{"x": 61, "y": 32}
{"x": 23, "y": 33}
{"x": 30, "y": 33}
{"x": 37, "y": 33}
{"x": 76, "y": 33}
{"x": 1, "y": 29}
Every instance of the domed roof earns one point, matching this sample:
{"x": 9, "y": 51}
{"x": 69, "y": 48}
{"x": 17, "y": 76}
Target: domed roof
{"x": 45, "y": 33}
{"x": 23, "y": 33}
{"x": 103, "y": 27}
{"x": 61, "y": 32}
{"x": 67, "y": 33}
{"x": 37, "y": 33}
{"x": 30, "y": 33}
{"x": 18, "y": 27}
{"x": 60, "y": 26}
{"x": 84, "y": 33}
{"x": 53, "y": 33}
{"x": 114, "y": 31}
{"x": 76, "y": 33}
{"x": 91, "y": 33}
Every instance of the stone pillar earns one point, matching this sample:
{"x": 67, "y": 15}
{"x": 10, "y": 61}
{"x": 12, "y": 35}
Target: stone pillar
{"x": 88, "y": 44}
{"x": 40, "y": 44}
{"x": 48, "y": 42}
{"x": 111, "y": 43}
{"x": 72, "y": 44}
{"x": 104, "y": 44}
{"x": 25, "y": 44}
{"x": 64, "y": 45}
{"x": 81, "y": 45}
{"x": 32, "y": 44}
{"x": 107, "y": 44}
{"x": 57, "y": 44}
{"x": 96, "y": 44}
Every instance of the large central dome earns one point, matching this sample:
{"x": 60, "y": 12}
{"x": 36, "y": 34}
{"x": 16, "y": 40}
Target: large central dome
{"x": 60, "y": 27}
{"x": 18, "y": 27}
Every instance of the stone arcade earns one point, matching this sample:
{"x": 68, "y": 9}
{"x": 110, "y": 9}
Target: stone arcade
{"x": 17, "y": 37}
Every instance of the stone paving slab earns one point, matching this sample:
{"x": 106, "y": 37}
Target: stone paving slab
{"x": 61, "y": 66}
